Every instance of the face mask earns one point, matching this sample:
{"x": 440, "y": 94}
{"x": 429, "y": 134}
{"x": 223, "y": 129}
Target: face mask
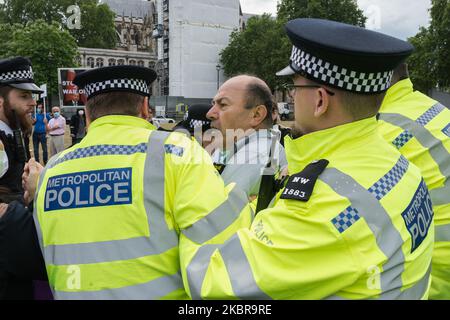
{"x": 80, "y": 112}
{"x": 56, "y": 114}
{"x": 39, "y": 110}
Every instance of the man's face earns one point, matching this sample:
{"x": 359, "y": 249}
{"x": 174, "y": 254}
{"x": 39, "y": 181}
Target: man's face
{"x": 23, "y": 104}
{"x": 21, "y": 101}
{"x": 55, "y": 109}
{"x": 228, "y": 107}
{"x": 304, "y": 107}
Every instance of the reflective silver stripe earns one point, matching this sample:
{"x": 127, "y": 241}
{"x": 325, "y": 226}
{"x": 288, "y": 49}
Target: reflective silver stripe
{"x": 441, "y": 196}
{"x": 98, "y": 252}
{"x": 237, "y": 265}
{"x": 387, "y": 236}
{"x": 152, "y": 290}
{"x": 435, "y": 147}
{"x": 246, "y": 176}
{"x": 218, "y": 220}
{"x": 442, "y": 232}
{"x": 240, "y": 271}
{"x": 161, "y": 237}
{"x": 416, "y": 292}
{"x": 196, "y": 270}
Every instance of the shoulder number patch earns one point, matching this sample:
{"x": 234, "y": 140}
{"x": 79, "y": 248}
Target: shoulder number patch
{"x": 300, "y": 186}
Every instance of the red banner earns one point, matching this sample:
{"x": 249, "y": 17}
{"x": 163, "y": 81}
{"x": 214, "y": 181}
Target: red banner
{"x": 69, "y": 94}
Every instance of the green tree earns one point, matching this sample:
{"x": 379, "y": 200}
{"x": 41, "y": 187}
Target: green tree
{"x": 48, "y": 47}
{"x": 97, "y": 20}
{"x": 422, "y": 62}
{"x": 24, "y": 11}
{"x": 256, "y": 50}
{"x": 97, "y": 26}
{"x": 346, "y": 11}
{"x": 430, "y": 63}
{"x": 7, "y": 37}
{"x": 263, "y": 47}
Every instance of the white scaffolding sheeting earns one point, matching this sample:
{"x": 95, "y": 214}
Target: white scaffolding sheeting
{"x": 199, "y": 31}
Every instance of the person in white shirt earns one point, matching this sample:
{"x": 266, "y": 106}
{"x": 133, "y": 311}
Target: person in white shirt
{"x": 56, "y": 130}
{"x": 242, "y": 111}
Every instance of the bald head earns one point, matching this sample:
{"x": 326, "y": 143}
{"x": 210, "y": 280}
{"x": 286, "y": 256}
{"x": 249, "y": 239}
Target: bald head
{"x": 242, "y": 102}
{"x": 256, "y": 93}
{"x": 242, "y": 82}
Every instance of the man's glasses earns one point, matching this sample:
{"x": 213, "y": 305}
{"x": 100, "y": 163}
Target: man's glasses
{"x": 292, "y": 87}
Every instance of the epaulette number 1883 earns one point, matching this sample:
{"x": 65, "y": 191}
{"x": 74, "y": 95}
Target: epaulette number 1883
{"x": 294, "y": 192}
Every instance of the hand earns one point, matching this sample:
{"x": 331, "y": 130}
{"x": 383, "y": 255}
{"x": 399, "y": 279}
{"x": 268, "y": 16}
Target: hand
{"x": 45, "y": 120}
{"x": 3, "y": 209}
{"x": 30, "y": 179}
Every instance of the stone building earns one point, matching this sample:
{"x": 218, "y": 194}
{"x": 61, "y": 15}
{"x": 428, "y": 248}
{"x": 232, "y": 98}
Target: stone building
{"x": 181, "y": 40}
{"x": 134, "y": 24}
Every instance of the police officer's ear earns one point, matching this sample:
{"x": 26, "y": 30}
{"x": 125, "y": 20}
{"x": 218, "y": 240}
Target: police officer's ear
{"x": 321, "y": 102}
{"x": 144, "y": 113}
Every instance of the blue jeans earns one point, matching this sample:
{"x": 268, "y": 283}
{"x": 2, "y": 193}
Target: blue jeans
{"x": 42, "y": 139}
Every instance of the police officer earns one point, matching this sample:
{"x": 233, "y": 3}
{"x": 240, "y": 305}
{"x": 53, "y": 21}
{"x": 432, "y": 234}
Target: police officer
{"x": 195, "y": 121}
{"x": 354, "y": 220}
{"x": 110, "y": 210}
{"x": 16, "y": 106}
{"x": 419, "y": 127}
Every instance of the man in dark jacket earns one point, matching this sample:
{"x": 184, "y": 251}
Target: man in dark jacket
{"x": 21, "y": 259}
{"x": 16, "y": 105}
{"x": 78, "y": 126}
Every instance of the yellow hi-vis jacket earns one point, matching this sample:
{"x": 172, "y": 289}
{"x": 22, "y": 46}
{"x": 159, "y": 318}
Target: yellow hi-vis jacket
{"x": 419, "y": 127}
{"x": 366, "y": 231}
{"x": 110, "y": 210}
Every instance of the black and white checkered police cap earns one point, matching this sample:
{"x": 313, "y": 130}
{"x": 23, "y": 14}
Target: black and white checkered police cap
{"x": 344, "y": 56}
{"x": 132, "y": 79}
{"x": 18, "y": 73}
{"x": 195, "y": 117}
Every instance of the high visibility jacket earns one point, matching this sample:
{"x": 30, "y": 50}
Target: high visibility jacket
{"x": 110, "y": 210}
{"x": 419, "y": 127}
{"x": 365, "y": 232}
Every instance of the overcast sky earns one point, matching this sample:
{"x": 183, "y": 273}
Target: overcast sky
{"x": 398, "y": 18}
